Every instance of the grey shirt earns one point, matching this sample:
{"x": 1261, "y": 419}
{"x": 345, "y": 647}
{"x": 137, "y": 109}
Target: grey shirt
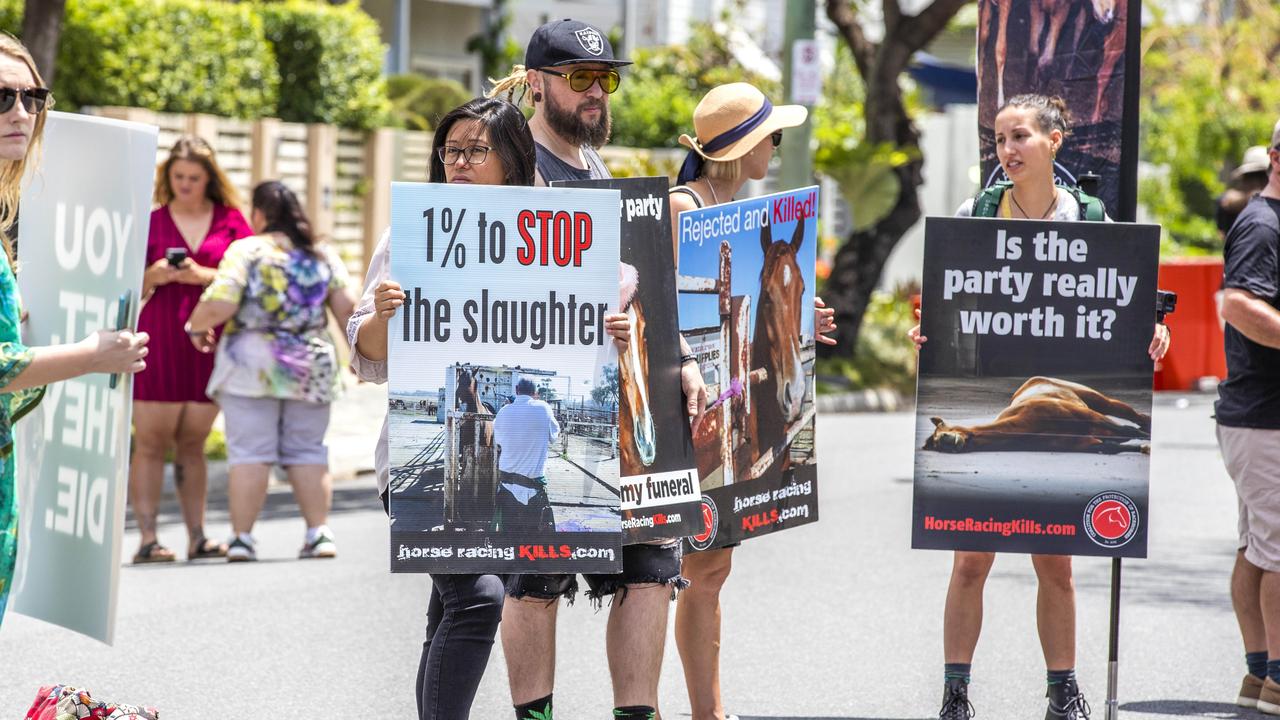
{"x": 552, "y": 168}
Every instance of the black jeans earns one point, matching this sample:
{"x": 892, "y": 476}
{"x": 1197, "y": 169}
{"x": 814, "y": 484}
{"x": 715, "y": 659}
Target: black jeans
{"x": 462, "y": 620}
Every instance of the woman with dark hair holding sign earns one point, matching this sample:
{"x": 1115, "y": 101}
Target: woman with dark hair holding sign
{"x": 736, "y": 131}
{"x": 483, "y": 142}
{"x": 24, "y": 371}
{"x": 1029, "y": 130}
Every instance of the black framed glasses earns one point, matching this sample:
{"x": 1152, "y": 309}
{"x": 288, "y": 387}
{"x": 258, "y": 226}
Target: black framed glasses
{"x": 581, "y": 80}
{"x": 472, "y": 154}
{"x": 33, "y": 99}
{"x": 776, "y": 137}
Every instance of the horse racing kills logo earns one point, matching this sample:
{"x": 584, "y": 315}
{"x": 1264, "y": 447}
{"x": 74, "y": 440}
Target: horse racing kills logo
{"x": 590, "y": 40}
{"x": 711, "y": 525}
{"x": 1111, "y": 519}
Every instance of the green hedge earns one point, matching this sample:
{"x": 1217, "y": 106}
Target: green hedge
{"x": 166, "y": 55}
{"x": 330, "y": 63}
{"x": 295, "y": 60}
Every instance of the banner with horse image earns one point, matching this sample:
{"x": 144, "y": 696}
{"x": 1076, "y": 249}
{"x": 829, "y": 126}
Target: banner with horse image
{"x": 746, "y": 284}
{"x": 1088, "y": 53}
{"x": 501, "y": 442}
{"x": 659, "y": 476}
{"x": 1033, "y": 405}
{"x": 82, "y": 243}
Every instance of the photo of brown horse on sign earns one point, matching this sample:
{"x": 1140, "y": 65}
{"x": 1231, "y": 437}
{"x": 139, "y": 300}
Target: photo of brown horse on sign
{"x": 1050, "y": 415}
{"x": 746, "y": 310}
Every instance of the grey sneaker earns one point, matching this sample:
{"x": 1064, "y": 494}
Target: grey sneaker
{"x": 241, "y": 549}
{"x": 1066, "y": 702}
{"x": 955, "y": 701}
{"x": 322, "y": 547}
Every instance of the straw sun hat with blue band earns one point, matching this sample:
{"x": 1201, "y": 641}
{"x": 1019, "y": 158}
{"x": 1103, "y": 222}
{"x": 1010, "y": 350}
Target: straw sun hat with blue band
{"x": 730, "y": 121}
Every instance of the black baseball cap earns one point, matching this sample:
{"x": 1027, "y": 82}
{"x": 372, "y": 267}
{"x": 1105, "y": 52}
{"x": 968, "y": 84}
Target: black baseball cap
{"x": 564, "y": 42}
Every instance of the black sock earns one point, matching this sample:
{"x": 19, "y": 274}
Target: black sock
{"x": 539, "y": 709}
{"x": 634, "y": 712}
{"x": 1273, "y": 670}
{"x": 957, "y": 671}
{"x": 1257, "y": 662}
{"x": 1061, "y": 677}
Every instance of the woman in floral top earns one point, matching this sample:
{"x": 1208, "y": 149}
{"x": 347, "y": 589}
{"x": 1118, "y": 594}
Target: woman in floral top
{"x": 276, "y": 371}
{"x": 24, "y": 371}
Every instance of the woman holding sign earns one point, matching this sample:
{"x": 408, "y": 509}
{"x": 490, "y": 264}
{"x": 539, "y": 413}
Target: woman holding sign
{"x": 483, "y": 142}
{"x": 1029, "y": 130}
{"x": 736, "y": 131}
{"x": 24, "y": 371}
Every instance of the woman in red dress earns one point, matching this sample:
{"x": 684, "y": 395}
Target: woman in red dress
{"x": 197, "y": 218}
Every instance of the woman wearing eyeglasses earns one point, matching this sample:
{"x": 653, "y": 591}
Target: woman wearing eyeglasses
{"x": 483, "y": 142}
{"x": 736, "y": 130}
{"x": 24, "y": 371}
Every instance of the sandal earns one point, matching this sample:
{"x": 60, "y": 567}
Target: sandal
{"x": 206, "y": 548}
{"x": 153, "y": 552}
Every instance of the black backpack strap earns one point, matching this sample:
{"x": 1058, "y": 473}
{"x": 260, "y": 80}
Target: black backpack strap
{"x": 688, "y": 191}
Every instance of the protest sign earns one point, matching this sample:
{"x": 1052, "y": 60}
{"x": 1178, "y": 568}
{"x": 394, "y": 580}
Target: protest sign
{"x": 82, "y": 245}
{"x": 508, "y": 289}
{"x": 747, "y": 273}
{"x": 659, "y": 476}
{"x": 1088, "y": 54}
{"x": 1033, "y": 425}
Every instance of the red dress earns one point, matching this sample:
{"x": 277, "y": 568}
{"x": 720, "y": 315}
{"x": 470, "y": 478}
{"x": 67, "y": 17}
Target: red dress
{"x": 176, "y": 371}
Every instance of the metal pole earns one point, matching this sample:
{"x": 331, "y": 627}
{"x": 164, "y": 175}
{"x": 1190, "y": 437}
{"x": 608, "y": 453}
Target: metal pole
{"x": 1113, "y": 650}
{"x": 797, "y": 161}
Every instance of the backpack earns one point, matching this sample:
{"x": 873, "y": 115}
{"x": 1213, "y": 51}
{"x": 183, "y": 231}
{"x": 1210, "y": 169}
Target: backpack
{"x": 987, "y": 203}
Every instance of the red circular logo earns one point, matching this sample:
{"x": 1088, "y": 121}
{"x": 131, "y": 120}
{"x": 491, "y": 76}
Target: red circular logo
{"x": 1111, "y": 519}
{"x": 708, "y": 524}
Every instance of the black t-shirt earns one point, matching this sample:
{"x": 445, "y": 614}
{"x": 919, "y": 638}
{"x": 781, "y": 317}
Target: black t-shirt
{"x": 1250, "y": 396}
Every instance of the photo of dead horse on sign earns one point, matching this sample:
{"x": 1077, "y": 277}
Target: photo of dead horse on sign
{"x": 747, "y": 274}
{"x": 1033, "y": 425}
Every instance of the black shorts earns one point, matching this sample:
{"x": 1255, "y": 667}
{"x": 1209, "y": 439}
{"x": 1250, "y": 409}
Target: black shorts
{"x": 642, "y": 565}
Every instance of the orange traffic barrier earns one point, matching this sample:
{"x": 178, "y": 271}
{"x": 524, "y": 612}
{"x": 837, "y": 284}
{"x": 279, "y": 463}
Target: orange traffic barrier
{"x": 1196, "y": 333}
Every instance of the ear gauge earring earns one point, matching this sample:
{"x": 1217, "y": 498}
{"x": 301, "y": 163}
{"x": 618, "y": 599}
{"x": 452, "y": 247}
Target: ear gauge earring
{"x": 537, "y": 96}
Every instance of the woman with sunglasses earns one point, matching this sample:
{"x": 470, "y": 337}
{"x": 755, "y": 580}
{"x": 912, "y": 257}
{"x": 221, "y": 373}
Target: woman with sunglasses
{"x": 737, "y": 130}
{"x": 24, "y": 371}
{"x": 483, "y": 142}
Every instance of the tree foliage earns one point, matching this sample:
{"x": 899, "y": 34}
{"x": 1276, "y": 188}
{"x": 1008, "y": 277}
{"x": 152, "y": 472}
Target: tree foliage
{"x": 605, "y": 393}
{"x": 418, "y": 102}
{"x": 655, "y": 102}
{"x": 1209, "y": 92}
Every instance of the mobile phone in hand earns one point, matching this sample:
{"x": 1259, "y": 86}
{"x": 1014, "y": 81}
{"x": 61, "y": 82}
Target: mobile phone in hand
{"x": 175, "y": 256}
{"x": 124, "y": 307}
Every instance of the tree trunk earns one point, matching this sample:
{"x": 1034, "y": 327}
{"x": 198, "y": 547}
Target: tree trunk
{"x": 41, "y": 30}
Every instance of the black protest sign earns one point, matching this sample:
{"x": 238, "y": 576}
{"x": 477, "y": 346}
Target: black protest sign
{"x": 1033, "y": 425}
{"x": 658, "y": 476}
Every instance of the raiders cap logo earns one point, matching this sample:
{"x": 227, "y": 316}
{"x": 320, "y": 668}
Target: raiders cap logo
{"x": 590, "y": 40}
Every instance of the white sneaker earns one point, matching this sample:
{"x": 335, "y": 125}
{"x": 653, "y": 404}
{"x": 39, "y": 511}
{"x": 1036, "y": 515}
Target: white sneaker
{"x": 241, "y": 548}
{"x": 322, "y": 546}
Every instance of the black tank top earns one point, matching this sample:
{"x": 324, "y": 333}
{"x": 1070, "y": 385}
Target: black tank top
{"x": 552, "y": 168}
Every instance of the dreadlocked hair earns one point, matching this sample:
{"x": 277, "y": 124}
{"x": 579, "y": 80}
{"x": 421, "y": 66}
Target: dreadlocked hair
{"x": 516, "y": 80}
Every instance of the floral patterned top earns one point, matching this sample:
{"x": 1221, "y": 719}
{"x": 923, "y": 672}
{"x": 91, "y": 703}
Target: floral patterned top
{"x": 277, "y": 344}
{"x": 14, "y": 358}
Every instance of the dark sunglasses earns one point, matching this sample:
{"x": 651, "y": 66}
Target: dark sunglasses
{"x": 473, "y": 154}
{"x": 777, "y": 138}
{"x": 33, "y": 99}
{"x": 581, "y": 80}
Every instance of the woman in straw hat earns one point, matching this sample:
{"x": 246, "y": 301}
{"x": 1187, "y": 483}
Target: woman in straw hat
{"x": 736, "y": 130}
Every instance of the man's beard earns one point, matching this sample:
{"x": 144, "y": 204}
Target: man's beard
{"x": 570, "y": 126}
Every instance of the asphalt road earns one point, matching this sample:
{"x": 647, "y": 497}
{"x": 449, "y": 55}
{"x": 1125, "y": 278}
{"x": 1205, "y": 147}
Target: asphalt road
{"x": 838, "y": 620}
